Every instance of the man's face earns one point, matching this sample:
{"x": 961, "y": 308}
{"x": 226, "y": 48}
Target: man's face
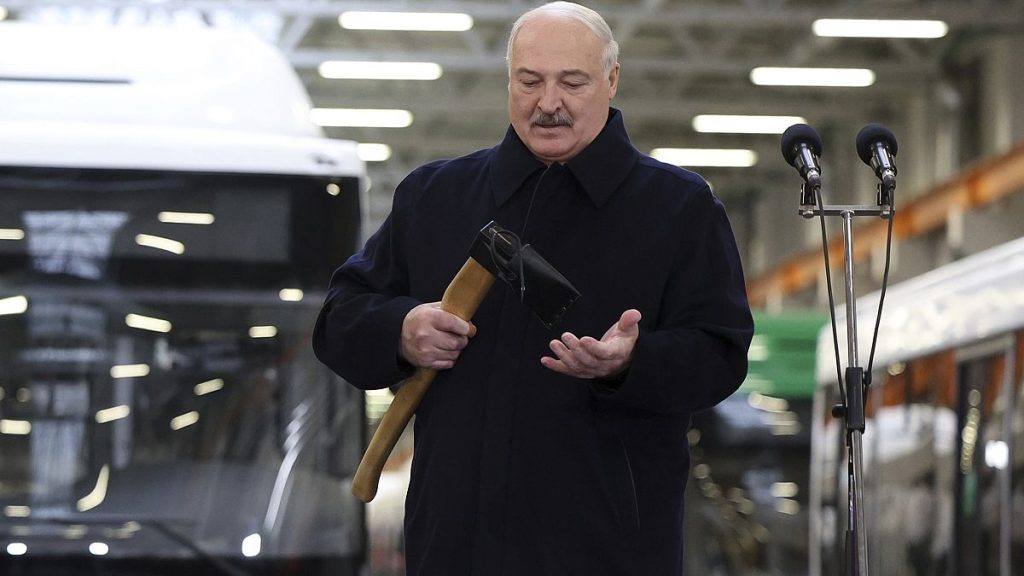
{"x": 558, "y": 92}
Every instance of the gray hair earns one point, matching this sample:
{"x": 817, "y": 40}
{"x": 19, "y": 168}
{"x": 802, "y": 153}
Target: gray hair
{"x": 573, "y": 11}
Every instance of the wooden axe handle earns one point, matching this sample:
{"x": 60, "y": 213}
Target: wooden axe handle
{"x": 462, "y": 298}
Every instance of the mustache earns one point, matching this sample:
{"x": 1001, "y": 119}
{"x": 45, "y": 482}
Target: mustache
{"x": 548, "y": 120}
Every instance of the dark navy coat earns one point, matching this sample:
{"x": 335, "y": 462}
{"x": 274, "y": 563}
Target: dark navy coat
{"x": 518, "y": 470}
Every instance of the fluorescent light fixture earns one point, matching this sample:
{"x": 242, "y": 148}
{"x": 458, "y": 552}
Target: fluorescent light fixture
{"x": 784, "y": 489}
{"x": 854, "y": 28}
{"x": 160, "y": 243}
{"x": 362, "y": 70}
{"x": 98, "y": 548}
{"x": 186, "y": 419}
{"x": 262, "y": 331}
{"x": 129, "y": 370}
{"x": 208, "y": 386}
{"x": 17, "y": 548}
{"x": 13, "y": 305}
{"x": 98, "y": 493}
{"x": 733, "y": 158}
{"x": 15, "y": 427}
{"x": 186, "y": 217}
{"x": 112, "y": 413}
{"x": 17, "y": 511}
{"x": 740, "y": 124}
{"x": 251, "y": 545}
{"x": 147, "y": 323}
{"x": 291, "y": 294}
{"x": 360, "y": 117}
{"x": 841, "y": 77}
{"x": 12, "y": 234}
{"x": 426, "y": 21}
{"x": 373, "y": 152}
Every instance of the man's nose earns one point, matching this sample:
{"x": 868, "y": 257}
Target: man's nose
{"x": 551, "y": 100}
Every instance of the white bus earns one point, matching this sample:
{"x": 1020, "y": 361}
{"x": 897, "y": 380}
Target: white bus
{"x": 169, "y": 220}
{"x": 944, "y": 445}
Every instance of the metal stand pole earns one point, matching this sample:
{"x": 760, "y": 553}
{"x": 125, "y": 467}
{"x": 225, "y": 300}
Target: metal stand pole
{"x": 855, "y": 533}
{"x": 853, "y": 413}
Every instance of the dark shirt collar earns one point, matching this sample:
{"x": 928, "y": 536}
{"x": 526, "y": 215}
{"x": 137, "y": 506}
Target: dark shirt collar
{"x": 599, "y": 168}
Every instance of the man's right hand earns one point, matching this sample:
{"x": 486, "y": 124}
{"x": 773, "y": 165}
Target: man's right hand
{"x": 433, "y": 338}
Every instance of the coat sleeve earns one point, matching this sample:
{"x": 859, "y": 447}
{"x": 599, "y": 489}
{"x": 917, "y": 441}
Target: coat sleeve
{"x": 696, "y": 355}
{"x": 359, "y": 327}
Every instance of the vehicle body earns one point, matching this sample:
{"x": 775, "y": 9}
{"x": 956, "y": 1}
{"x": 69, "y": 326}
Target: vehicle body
{"x": 747, "y": 498}
{"x": 169, "y": 220}
{"x": 943, "y": 462}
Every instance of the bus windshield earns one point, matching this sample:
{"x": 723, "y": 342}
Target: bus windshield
{"x": 160, "y": 405}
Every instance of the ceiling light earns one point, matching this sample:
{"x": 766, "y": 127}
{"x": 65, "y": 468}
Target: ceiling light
{"x": 160, "y": 243}
{"x": 17, "y": 548}
{"x": 372, "y": 152}
{"x": 112, "y": 413}
{"x": 734, "y": 158}
{"x": 846, "y": 77}
{"x": 291, "y": 294}
{"x": 427, "y": 21}
{"x": 360, "y": 118}
{"x": 733, "y": 124}
{"x": 99, "y": 548}
{"x": 147, "y": 323}
{"x": 186, "y": 419}
{"x": 11, "y": 234}
{"x": 17, "y": 511}
{"x": 208, "y": 387}
{"x": 3, "y": 13}
{"x": 262, "y": 332}
{"x": 339, "y": 70}
{"x": 15, "y": 427}
{"x": 333, "y": 189}
{"x": 13, "y": 305}
{"x": 186, "y": 217}
{"x": 129, "y": 370}
{"x": 851, "y": 28}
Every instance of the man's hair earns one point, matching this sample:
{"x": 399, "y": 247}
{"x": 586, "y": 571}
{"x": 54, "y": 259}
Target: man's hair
{"x": 573, "y": 11}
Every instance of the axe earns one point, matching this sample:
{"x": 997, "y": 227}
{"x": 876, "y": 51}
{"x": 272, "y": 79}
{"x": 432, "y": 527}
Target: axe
{"x": 495, "y": 253}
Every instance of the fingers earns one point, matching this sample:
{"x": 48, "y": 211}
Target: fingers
{"x": 588, "y": 357}
{"x": 629, "y": 320}
{"x": 433, "y": 338}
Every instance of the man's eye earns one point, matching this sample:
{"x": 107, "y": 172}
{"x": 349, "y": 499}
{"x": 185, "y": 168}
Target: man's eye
{"x": 529, "y": 83}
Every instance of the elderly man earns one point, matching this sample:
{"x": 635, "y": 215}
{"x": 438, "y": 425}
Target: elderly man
{"x": 540, "y": 452}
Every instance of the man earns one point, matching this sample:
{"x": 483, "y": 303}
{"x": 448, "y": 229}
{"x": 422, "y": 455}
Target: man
{"x": 540, "y": 452}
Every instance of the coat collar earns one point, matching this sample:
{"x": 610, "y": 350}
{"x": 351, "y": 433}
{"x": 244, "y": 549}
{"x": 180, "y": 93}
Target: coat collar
{"x": 599, "y": 168}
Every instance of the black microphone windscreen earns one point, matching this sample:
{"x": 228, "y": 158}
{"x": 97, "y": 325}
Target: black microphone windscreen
{"x": 799, "y": 134}
{"x": 870, "y": 134}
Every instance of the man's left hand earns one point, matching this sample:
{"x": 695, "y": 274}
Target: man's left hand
{"x": 591, "y": 358}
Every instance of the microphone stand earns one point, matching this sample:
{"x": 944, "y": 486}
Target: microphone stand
{"x": 852, "y": 409}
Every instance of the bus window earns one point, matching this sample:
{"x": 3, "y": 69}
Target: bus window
{"x": 1017, "y": 462}
{"x": 977, "y": 488}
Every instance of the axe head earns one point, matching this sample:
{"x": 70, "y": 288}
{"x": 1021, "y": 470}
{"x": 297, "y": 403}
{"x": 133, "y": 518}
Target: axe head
{"x": 539, "y": 286}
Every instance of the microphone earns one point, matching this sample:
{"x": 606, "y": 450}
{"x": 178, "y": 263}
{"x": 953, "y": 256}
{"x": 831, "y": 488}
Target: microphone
{"x": 877, "y": 147}
{"x": 801, "y": 147}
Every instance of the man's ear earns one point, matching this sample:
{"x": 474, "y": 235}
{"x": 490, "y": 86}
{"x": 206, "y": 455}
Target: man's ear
{"x": 613, "y": 81}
